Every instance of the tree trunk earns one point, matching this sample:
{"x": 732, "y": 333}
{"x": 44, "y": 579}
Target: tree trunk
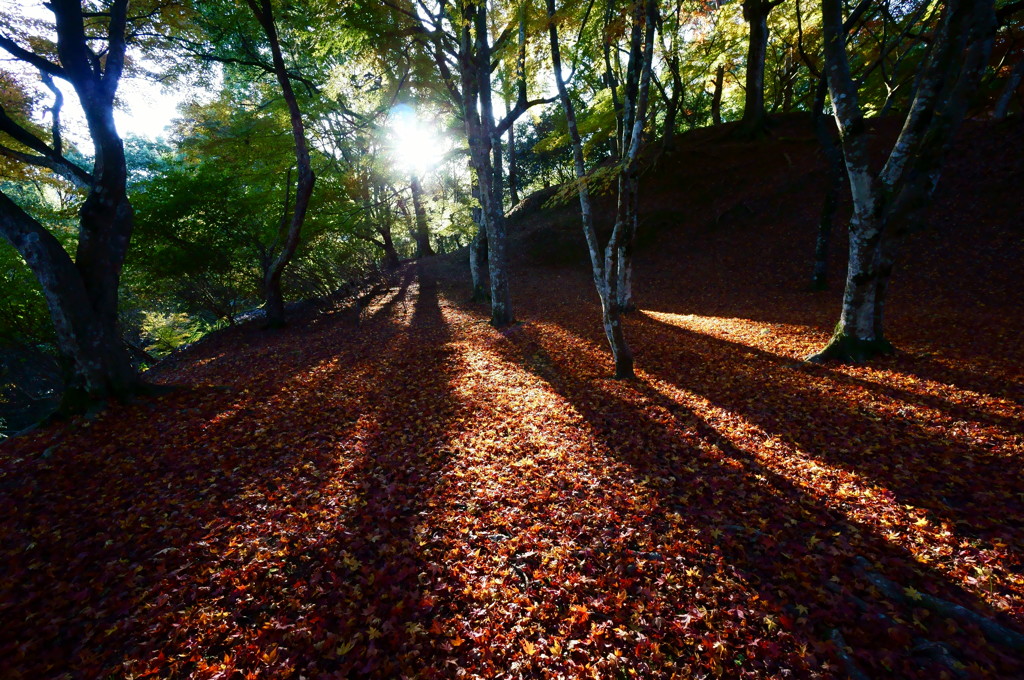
{"x": 478, "y": 264}
{"x": 423, "y": 248}
{"x": 478, "y": 252}
{"x": 790, "y": 73}
{"x": 391, "y": 257}
{"x": 754, "y": 116}
{"x": 885, "y": 261}
{"x": 490, "y": 177}
{"x": 858, "y": 335}
{"x": 672, "y": 107}
{"x": 93, "y": 357}
{"x": 819, "y": 276}
{"x": 603, "y": 269}
{"x": 304, "y": 189}
{"x": 638, "y": 86}
{"x": 611, "y": 82}
{"x": 513, "y": 167}
{"x": 834, "y": 157}
{"x": 82, "y": 295}
{"x": 622, "y": 355}
{"x": 629, "y": 184}
{"x": 668, "y": 139}
{"x": 1010, "y": 89}
{"x": 716, "y": 98}
{"x": 625, "y": 289}
{"x": 886, "y": 203}
{"x": 612, "y": 271}
{"x": 497, "y": 260}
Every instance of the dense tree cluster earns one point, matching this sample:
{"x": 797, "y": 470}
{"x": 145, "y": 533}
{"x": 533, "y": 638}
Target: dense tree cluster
{"x": 284, "y": 178}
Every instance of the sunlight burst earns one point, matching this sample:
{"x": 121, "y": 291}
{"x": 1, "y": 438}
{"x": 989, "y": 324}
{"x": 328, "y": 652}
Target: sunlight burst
{"x": 415, "y": 147}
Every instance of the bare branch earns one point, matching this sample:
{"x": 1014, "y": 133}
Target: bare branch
{"x": 58, "y": 104}
{"x": 19, "y": 52}
{"x": 116, "y": 46}
{"x": 64, "y": 170}
{"x": 48, "y": 158}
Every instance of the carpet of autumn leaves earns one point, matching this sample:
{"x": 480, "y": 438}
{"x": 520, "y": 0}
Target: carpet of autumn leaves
{"x": 417, "y": 494}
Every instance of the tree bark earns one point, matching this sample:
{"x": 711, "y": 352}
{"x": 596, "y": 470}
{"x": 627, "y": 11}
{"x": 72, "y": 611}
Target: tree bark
{"x": 478, "y": 251}
{"x": 603, "y": 268}
{"x": 304, "y": 189}
{"x": 673, "y": 104}
{"x": 611, "y": 81}
{"x": 513, "y": 167}
{"x": 834, "y": 157}
{"x": 716, "y": 97}
{"x": 1010, "y": 89}
{"x": 478, "y": 265}
{"x": 480, "y": 129}
{"x": 95, "y": 363}
{"x": 391, "y": 257}
{"x": 423, "y": 248}
{"x": 755, "y": 118}
{"x": 638, "y": 87}
{"x": 792, "y": 68}
{"x": 629, "y": 195}
{"x": 859, "y": 335}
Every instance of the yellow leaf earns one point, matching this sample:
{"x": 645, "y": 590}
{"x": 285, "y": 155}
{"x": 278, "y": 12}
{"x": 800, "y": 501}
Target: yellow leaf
{"x": 912, "y": 594}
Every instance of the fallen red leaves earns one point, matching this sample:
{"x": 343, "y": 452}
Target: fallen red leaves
{"x": 423, "y": 496}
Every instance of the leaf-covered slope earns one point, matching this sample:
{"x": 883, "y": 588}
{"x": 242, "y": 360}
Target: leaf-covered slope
{"x": 420, "y": 495}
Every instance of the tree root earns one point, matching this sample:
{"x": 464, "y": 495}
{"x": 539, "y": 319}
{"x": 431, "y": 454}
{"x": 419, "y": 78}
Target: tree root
{"x": 938, "y": 651}
{"x": 941, "y": 653}
{"x": 851, "y": 668}
{"x": 995, "y": 632}
{"x": 160, "y": 390}
{"x": 848, "y": 349}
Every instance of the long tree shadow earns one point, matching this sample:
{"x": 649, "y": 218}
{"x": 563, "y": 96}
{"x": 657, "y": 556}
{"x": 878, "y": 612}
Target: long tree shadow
{"x": 1010, "y": 387}
{"x": 397, "y": 295}
{"x": 645, "y": 321}
{"x": 797, "y": 551}
{"x": 958, "y": 471}
{"x": 254, "y": 529}
{"x": 926, "y": 365}
{"x": 956, "y": 478}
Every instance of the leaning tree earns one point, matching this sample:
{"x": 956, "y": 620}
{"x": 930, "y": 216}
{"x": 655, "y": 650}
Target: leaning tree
{"x": 254, "y": 39}
{"x": 89, "y": 53}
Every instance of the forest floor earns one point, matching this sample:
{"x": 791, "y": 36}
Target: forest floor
{"x": 413, "y": 493}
